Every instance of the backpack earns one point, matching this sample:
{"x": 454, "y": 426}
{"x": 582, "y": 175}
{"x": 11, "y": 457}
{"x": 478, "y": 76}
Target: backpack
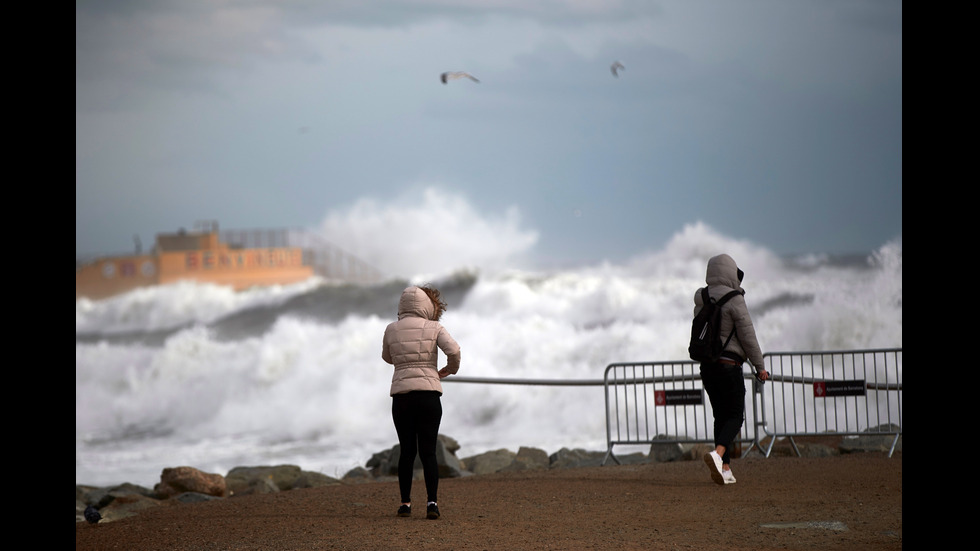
{"x": 706, "y": 345}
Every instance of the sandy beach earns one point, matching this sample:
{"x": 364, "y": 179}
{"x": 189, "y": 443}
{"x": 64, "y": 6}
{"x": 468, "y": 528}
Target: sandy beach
{"x": 851, "y": 501}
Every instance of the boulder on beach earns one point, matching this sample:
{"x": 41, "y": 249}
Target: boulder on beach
{"x": 177, "y": 480}
{"x": 270, "y": 479}
{"x": 385, "y": 463}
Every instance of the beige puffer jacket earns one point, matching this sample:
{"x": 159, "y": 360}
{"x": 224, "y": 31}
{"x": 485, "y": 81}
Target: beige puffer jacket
{"x": 410, "y": 344}
{"x": 722, "y": 277}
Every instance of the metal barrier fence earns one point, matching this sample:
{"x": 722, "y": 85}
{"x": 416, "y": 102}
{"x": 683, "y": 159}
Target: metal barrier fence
{"x": 847, "y": 393}
{"x": 660, "y": 402}
{"x": 844, "y": 393}
{"x": 327, "y": 259}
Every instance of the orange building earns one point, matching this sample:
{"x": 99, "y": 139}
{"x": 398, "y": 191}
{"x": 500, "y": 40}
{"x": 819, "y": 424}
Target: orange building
{"x": 198, "y": 256}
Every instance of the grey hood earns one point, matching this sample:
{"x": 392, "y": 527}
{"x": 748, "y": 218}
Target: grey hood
{"x": 722, "y": 270}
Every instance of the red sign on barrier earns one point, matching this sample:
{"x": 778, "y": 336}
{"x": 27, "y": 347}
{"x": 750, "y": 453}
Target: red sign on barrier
{"x": 684, "y": 397}
{"x": 830, "y": 389}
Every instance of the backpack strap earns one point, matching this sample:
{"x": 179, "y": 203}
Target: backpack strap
{"x": 705, "y": 297}
{"x": 728, "y": 296}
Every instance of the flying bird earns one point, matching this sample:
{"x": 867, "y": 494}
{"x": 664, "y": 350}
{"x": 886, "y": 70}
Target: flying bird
{"x": 92, "y": 514}
{"x": 615, "y": 67}
{"x": 453, "y": 75}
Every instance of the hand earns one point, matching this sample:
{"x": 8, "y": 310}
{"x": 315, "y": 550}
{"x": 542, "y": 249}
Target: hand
{"x": 444, "y": 372}
{"x": 762, "y": 375}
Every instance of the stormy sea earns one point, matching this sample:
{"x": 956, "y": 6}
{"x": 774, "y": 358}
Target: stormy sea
{"x": 199, "y": 375}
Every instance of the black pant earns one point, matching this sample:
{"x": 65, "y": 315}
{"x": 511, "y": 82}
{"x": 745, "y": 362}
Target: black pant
{"x": 726, "y": 392}
{"x": 417, "y": 416}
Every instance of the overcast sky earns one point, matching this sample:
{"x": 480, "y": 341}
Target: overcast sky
{"x": 774, "y": 121}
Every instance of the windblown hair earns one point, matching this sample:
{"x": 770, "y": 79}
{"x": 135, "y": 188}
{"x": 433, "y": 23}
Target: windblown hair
{"x": 439, "y": 304}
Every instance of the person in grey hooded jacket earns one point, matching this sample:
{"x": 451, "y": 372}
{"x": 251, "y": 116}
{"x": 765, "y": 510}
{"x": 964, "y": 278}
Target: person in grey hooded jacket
{"x": 412, "y": 345}
{"x": 722, "y": 380}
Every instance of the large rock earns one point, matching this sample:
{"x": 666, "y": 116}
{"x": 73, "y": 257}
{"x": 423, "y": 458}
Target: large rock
{"x": 663, "y": 452}
{"x": 101, "y": 497}
{"x": 529, "y": 459}
{"x": 490, "y": 462}
{"x": 177, "y": 480}
{"x": 452, "y": 446}
{"x": 313, "y": 479}
{"x": 192, "y": 497}
{"x": 282, "y": 477}
{"x": 385, "y": 463}
{"x": 696, "y": 451}
{"x": 113, "y": 502}
{"x": 566, "y": 458}
{"x": 875, "y": 439}
{"x": 242, "y": 486}
{"x": 358, "y": 474}
{"x": 274, "y": 478}
{"x": 128, "y": 505}
{"x": 449, "y": 466}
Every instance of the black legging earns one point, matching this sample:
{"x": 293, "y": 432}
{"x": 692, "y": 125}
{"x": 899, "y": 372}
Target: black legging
{"x": 726, "y": 392}
{"x": 417, "y": 416}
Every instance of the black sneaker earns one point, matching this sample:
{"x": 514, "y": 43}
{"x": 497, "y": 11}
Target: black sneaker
{"x": 405, "y": 511}
{"x": 432, "y": 511}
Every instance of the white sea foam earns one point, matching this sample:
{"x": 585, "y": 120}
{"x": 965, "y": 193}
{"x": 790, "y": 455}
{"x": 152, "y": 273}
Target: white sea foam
{"x": 313, "y": 391}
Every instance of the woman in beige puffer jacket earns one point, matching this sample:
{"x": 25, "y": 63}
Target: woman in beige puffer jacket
{"x": 412, "y": 345}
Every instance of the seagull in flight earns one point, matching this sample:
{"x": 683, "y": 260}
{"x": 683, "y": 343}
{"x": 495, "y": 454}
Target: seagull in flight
{"x": 453, "y": 75}
{"x": 615, "y": 67}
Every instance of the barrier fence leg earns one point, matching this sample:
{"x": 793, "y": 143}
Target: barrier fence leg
{"x": 609, "y": 454}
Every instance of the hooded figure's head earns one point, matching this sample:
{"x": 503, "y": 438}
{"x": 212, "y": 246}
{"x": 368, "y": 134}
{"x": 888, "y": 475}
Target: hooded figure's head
{"x": 722, "y": 270}
{"x": 422, "y": 302}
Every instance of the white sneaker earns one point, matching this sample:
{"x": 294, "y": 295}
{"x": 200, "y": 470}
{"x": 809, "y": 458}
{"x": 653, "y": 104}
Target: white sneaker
{"x": 728, "y": 476}
{"x": 713, "y": 461}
